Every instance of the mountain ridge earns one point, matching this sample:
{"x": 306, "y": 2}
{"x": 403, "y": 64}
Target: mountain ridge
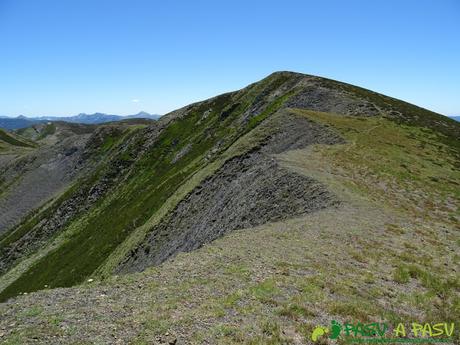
{"x": 250, "y": 106}
{"x": 254, "y": 195}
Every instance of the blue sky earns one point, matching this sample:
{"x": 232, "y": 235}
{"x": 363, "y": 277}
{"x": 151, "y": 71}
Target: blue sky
{"x": 64, "y": 57}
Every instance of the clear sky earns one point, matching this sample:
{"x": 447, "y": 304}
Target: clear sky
{"x": 64, "y": 57}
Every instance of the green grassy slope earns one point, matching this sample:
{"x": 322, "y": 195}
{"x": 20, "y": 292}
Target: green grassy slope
{"x": 9, "y": 139}
{"x": 397, "y": 159}
{"x": 41, "y": 131}
{"x": 153, "y": 179}
{"x": 445, "y": 128}
{"x": 184, "y": 147}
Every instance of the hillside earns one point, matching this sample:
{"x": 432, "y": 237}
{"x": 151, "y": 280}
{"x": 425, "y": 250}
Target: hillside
{"x": 57, "y": 154}
{"x": 9, "y": 141}
{"x": 251, "y": 217}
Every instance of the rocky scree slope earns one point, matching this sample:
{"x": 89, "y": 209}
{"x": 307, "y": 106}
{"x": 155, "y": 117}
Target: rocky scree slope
{"x": 248, "y": 190}
{"x": 157, "y": 174}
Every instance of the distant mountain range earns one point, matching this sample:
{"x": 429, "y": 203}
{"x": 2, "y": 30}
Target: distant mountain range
{"x": 456, "y": 118}
{"x": 12, "y": 123}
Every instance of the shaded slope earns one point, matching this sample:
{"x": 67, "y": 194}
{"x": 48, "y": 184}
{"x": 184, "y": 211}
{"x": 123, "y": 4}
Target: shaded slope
{"x": 35, "y": 177}
{"x": 62, "y": 153}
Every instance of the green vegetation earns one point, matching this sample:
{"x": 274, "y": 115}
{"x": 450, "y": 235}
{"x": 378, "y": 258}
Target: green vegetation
{"x": 447, "y": 130}
{"x": 152, "y": 180}
{"x": 13, "y": 139}
{"x": 388, "y": 252}
{"x": 101, "y": 153}
{"x": 406, "y": 169}
{"x": 48, "y": 129}
{"x": 395, "y": 163}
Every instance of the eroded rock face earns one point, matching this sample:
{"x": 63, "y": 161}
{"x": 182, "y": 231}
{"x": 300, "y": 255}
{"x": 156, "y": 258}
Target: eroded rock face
{"x": 294, "y": 132}
{"x": 247, "y": 191}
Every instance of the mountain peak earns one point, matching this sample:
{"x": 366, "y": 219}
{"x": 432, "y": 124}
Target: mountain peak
{"x": 143, "y": 113}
